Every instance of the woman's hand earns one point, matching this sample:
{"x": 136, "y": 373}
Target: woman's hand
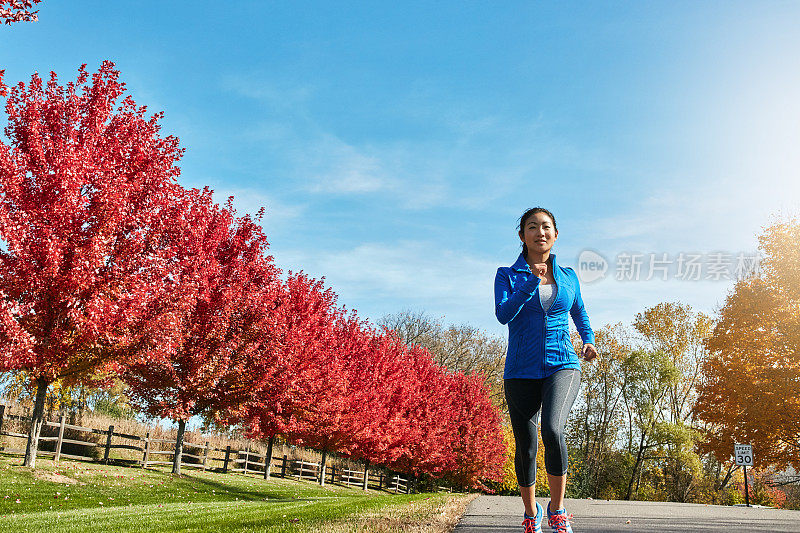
{"x": 588, "y": 352}
{"x": 540, "y": 269}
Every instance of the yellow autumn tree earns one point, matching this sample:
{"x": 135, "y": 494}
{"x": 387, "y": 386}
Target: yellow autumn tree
{"x": 750, "y": 383}
{"x": 509, "y": 485}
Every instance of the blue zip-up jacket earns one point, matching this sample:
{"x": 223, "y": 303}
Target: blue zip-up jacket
{"x": 538, "y": 342}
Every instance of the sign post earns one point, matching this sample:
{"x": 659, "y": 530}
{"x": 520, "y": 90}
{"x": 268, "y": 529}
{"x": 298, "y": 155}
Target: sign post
{"x": 744, "y": 458}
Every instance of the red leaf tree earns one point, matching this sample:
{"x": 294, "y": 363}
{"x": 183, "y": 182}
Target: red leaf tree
{"x": 225, "y": 335}
{"x": 424, "y": 420}
{"x": 475, "y": 433}
{"x": 298, "y": 360}
{"x": 421, "y": 404}
{"x": 385, "y": 385}
{"x": 340, "y": 406}
{"x": 87, "y": 191}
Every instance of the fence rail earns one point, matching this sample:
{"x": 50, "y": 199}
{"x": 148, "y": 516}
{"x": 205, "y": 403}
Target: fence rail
{"x": 246, "y": 461}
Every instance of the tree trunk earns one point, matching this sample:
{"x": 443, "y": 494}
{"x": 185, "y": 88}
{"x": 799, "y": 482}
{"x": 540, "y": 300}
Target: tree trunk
{"x": 586, "y": 432}
{"x": 268, "y": 459}
{"x": 727, "y": 478}
{"x": 176, "y": 459}
{"x": 630, "y": 424}
{"x": 636, "y": 465}
{"x": 36, "y": 423}
{"x": 322, "y": 467}
{"x": 639, "y": 479}
{"x": 366, "y": 475}
{"x": 81, "y": 406}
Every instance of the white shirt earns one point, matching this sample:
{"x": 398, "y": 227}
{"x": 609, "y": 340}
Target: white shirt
{"x": 547, "y": 293}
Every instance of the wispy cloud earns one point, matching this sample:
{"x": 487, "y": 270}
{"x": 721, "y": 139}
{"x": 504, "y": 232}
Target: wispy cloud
{"x": 385, "y": 277}
{"x": 339, "y": 168}
{"x": 610, "y": 301}
{"x": 286, "y": 96}
{"x": 696, "y": 215}
{"x": 249, "y": 200}
{"x": 473, "y": 159}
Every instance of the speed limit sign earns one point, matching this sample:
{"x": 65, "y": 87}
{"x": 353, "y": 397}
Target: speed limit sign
{"x": 743, "y": 454}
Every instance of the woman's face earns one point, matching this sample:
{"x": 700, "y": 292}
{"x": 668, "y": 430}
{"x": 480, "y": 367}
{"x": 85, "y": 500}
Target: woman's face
{"x": 539, "y": 234}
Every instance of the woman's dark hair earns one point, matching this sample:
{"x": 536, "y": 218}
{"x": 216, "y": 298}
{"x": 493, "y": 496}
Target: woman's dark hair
{"x": 525, "y": 216}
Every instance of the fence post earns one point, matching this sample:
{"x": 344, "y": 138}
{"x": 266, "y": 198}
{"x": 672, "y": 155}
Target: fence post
{"x": 61, "y": 421}
{"x": 2, "y": 414}
{"x": 380, "y": 481}
{"x": 146, "y": 458}
{"x": 246, "y": 456}
{"x": 283, "y": 467}
{"x": 227, "y": 457}
{"x": 366, "y": 475}
{"x": 108, "y": 444}
{"x": 205, "y": 456}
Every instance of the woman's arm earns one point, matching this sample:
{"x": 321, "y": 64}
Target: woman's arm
{"x": 579, "y": 316}
{"x": 507, "y": 304}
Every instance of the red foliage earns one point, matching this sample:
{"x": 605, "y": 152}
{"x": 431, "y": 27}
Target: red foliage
{"x": 303, "y": 331}
{"x": 366, "y": 395}
{"x": 18, "y": 11}
{"x": 479, "y": 452}
{"x": 331, "y": 414}
{"x": 225, "y": 325}
{"x": 87, "y": 193}
{"x": 378, "y": 380}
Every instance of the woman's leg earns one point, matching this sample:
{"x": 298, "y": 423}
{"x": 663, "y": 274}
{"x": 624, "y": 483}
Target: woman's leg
{"x": 558, "y": 394}
{"x": 528, "y": 498}
{"x": 558, "y": 485}
{"x": 524, "y": 398}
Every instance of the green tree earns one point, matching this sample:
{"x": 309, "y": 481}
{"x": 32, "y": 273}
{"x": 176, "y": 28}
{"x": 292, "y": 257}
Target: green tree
{"x": 598, "y": 418}
{"x": 650, "y": 375}
{"x": 678, "y": 332}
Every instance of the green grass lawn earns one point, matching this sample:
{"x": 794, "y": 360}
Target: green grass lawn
{"x": 76, "y": 496}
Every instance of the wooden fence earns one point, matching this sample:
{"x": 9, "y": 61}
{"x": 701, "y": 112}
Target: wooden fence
{"x": 203, "y": 456}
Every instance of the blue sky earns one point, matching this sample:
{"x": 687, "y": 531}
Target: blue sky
{"x": 395, "y": 145}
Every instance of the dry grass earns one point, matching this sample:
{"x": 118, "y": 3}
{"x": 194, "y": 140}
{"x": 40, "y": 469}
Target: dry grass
{"x": 430, "y": 515}
{"x": 55, "y": 477}
{"x": 157, "y": 431}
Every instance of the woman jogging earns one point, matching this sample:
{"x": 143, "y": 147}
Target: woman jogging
{"x": 542, "y": 372}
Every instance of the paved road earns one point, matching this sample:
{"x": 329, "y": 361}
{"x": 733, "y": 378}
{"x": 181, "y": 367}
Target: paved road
{"x": 503, "y": 514}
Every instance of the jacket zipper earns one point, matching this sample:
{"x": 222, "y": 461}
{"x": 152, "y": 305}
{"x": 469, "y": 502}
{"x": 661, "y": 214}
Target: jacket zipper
{"x": 544, "y": 332}
{"x": 544, "y": 343}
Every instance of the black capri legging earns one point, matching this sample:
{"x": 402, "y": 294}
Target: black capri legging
{"x": 553, "y": 396}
